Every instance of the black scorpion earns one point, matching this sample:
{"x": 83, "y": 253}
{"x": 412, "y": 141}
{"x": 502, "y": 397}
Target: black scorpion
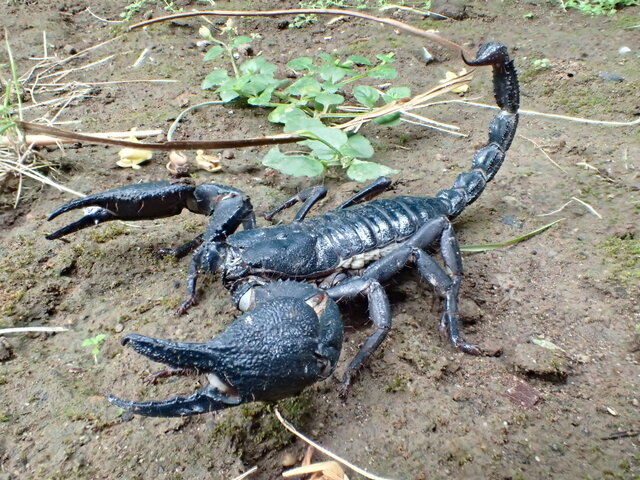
{"x": 287, "y": 278}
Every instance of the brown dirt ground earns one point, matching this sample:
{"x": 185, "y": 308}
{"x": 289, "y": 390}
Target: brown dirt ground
{"x": 419, "y": 410}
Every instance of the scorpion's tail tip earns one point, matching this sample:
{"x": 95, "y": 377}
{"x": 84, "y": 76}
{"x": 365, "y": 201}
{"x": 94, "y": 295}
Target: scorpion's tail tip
{"x": 490, "y": 53}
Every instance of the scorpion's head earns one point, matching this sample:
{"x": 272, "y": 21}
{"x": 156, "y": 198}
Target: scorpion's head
{"x": 272, "y": 352}
{"x": 285, "y": 251}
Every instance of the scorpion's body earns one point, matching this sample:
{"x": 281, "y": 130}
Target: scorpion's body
{"x": 349, "y": 251}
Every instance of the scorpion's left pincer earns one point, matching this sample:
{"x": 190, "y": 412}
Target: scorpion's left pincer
{"x": 271, "y": 352}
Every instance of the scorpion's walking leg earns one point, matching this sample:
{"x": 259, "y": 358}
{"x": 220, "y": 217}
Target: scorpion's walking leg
{"x": 436, "y": 231}
{"x": 232, "y": 210}
{"x": 310, "y": 196}
{"x": 372, "y": 190}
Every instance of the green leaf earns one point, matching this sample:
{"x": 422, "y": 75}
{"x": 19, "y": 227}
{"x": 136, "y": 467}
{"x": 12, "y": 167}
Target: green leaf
{"x": 215, "y": 78}
{"x": 396, "y": 93}
{"x": 360, "y": 60}
{"x": 386, "y": 57}
{"x": 214, "y": 52}
{"x": 307, "y": 87}
{"x": 541, "y": 342}
{"x": 386, "y": 72}
{"x": 227, "y": 95}
{"x": 241, "y": 40}
{"x": 367, "y": 96}
{"x": 295, "y": 165}
{"x": 258, "y": 65}
{"x": 361, "y": 171}
{"x": 282, "y": 112}
{"x": 263, "y": 99}
{"x": 298, "y": 120}
{"x": 390, "y": 120}
{"x": 357, "y": 147}
{"x": 330, "y": 87}
{"x": 328, "y": 99}
{"x": 333, "y": 138}
{"x": 252, "y": 85}
{"x": 300, "y": 63}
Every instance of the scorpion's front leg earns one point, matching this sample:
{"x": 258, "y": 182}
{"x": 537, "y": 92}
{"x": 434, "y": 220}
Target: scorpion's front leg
{"x": 271, "y": 352}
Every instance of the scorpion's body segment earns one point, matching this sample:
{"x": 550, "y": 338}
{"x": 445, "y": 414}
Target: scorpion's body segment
{"x": 350, "y": 251}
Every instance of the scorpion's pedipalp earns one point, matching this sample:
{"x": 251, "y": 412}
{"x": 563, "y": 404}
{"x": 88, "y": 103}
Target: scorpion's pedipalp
{"x": 141, "y": 201}
{"x": 271, "y": 352}
{"x": 195, "y": 356}
{"x": 90, "y": 219}
{"x": 207, "y": 399}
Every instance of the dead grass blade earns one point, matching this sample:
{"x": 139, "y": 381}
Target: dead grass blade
{"x": 513, "y": 241}
{"x": 338, "y": 459}
{"x": 430, "y": 35}
{"x": 5, "y": 331}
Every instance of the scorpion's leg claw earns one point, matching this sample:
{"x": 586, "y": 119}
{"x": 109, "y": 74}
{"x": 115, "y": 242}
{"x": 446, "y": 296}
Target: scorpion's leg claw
{"x": 271, "y": 352}
{"x": 142, "y": 201}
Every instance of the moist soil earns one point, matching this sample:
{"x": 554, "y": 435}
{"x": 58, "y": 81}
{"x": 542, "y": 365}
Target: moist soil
{"x": 419, "y": 410}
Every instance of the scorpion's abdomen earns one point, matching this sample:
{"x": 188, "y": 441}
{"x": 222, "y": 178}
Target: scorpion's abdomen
{"x": 361, "y": 234}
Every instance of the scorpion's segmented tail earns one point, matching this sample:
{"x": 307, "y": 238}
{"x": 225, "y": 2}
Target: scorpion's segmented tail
{"x": 487, "y": 161}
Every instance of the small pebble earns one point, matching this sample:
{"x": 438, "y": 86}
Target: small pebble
{"x": 512, "y": 222}
{"x": 624, "y": 50}
{"x": 6, "y": 350}
{"x": 228, "y": 154}
{"x": 611, "y": 77}
{"x": 119, "y": 328}
{"x": 288, "y": 460}
{"x": 426, "y": 56}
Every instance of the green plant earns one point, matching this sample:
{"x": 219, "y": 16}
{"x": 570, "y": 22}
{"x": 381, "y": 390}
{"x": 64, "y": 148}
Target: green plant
{"x": 307, "y": 105}
{"x": 598, "y": 7}
{"x": 94, "y": 342}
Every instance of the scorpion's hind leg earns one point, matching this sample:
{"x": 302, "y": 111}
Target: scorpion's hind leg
{"x": 271, "y": 352}
{"x": 436, "y": 231}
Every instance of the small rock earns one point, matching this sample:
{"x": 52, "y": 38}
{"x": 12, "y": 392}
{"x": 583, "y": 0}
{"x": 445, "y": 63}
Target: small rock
{"x": 513, "y": 222}
{"x": 470, "y": 311}
{"x": 512, "y": 201}
{"x": 6, "y": 350}
{"x": 246, "y": 50}
{"x": 491, "y": 348}
{"x": 426, "y": 56}
{"x": 535, "y": 361}
{"x": 288, "y": 460}
{"x": 611, "y": 77}
{"x": 523, "y": 394}
{"x": 118, "y": 328}
{"x": 455, "y": 9}
{"x": 70, "y": 49}
{"x": 283, "y": 24}
{"x": 624, "y": 50}
{"x": 228, "y": 154}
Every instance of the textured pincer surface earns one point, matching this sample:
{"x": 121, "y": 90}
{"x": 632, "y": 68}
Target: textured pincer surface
{"x": 272, "y": 352}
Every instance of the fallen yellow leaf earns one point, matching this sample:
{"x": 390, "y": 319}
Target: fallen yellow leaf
{"x": 133, "y": 157}
{"x": 210, "y": 163}
{"x": 451, "y": 75}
